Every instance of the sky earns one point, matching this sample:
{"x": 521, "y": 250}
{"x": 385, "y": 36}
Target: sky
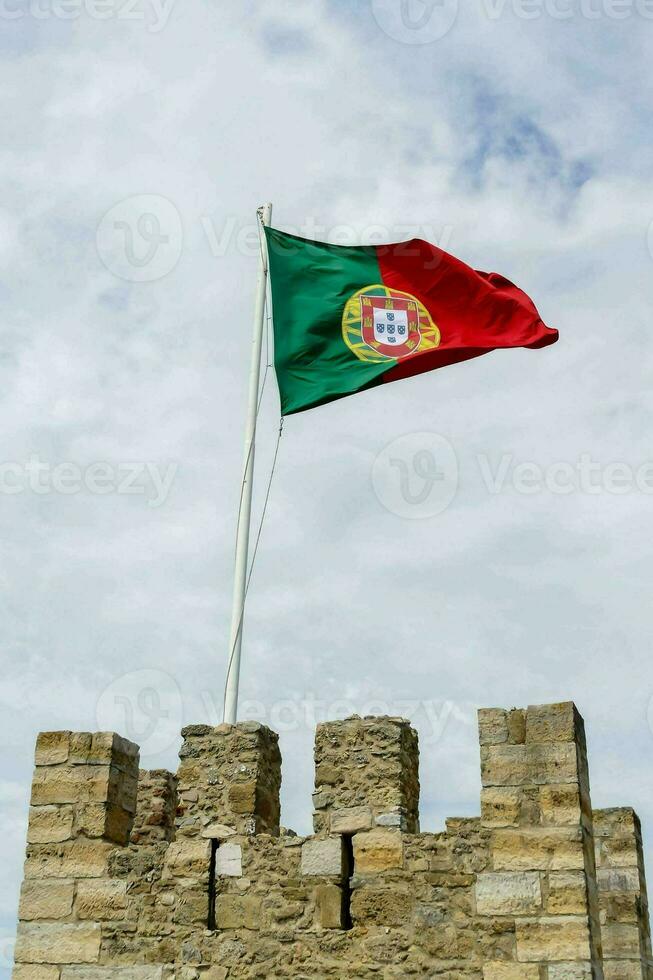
{"x": 477, "y": 536}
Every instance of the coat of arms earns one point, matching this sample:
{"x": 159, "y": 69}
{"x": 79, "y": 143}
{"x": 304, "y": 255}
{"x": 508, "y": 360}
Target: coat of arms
{"x": 380, "y": 323}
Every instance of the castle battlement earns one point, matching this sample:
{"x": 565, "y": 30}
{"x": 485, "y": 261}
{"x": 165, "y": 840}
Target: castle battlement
{"x": 139, "y": 875}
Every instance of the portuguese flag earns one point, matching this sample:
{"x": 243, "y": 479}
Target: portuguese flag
{"x": 348, "y": 318}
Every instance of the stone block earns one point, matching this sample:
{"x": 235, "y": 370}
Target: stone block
{"x": 187, "y": 858}
{"x": 501, "y": 806}
{"x": 395, "y": 820}
{"x": 50, "y": 824}
{"x": 618, "y": 880}
{"x": 52, "y": 748}
{"x": 492, "y": 726}
{"x": 72, "y": 859}
{"x": 528, "y": 765}
{"x": 113, "y": 973}
{"x": 541, "y": 940}
{"x": 560, "y": 805}
{"x": 385, "y": 907}
{"x": 229, "y": 860}
{"x": 501, "y": 970}
{"x": 218, "y": 831}
{"x": 101, "y": 899}
{"x": 570, "y": 971}
{"x": 111, "y": 822}
{"x": 351, "y": 820}
{"x": 508, "y": 893}
{"x": 323, "y": 857}
{"x": 620, "y": 939}
{"x": 46, "y": 899}
{"x": 242, "y": 797}
{"x": 553, "y": 722}
{"x": 64, "y": 942}
{"x": 329, "y": 907}
{"x": 551, "y": 849}
{"x": 192, "y": 905}
{"x": 378, "y": 850}
{"x": 238, "y": 912}
{"x": 624, "y": 970}
{"x": 618, "y": 852}
{"x": 567, "y": 893}
{"x": 70, "y": 784}
{"x": 30, "y": 971}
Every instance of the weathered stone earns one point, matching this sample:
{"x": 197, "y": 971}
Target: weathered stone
{"x": 571, "y": 971}
{"x": 31, "y": 971}
{"x": 229, "y": 860}
{"x": 559, "y": 938}
{"x": 351, "y": 820}
{"x": 378, "y": 850}
{"x": 501, "y": 806}
{"x": 323, "y": 857}
{"x": 39, "y": 942}
{"x": 516, "y": 893}
{"x": 381, "y": 907}
{"x": 530, "y": 764}
{"x": 112, "y": 973}
{"x": 50, "y": 824}
{"x": 218, "y": 831}
{"x": 187, "y": 857}
{"x": 369, "y": 762}
{"x": 492, "y": 726}
{"x": 72, "y": 859}
{"x": 52, "y": 748}
{"x": 566, "y": 893}
{"x": 181, "y": 886}
{"x": 329, "y": 906}
{"x": 99, "y": 899}
{"x": 235, "y": 912}
{"x": 242, "y": 797}
{"x": 538, "y": 849}
{"x": 560, "y": 805}
{"x": 510, "y": 971}
{"x": 46, "y": 899}
{"x": 552, "y": 722}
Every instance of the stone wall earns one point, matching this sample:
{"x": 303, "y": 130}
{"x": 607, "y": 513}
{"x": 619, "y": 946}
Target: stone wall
{"x": 145, "y": 875}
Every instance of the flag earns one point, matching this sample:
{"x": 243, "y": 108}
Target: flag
{"x": 347, "y": 318}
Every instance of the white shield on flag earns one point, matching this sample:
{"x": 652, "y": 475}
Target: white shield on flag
{"x": 391, "y": 326}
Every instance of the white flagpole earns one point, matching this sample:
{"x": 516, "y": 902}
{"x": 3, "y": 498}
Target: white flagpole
{"x": 245, "y": 512}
